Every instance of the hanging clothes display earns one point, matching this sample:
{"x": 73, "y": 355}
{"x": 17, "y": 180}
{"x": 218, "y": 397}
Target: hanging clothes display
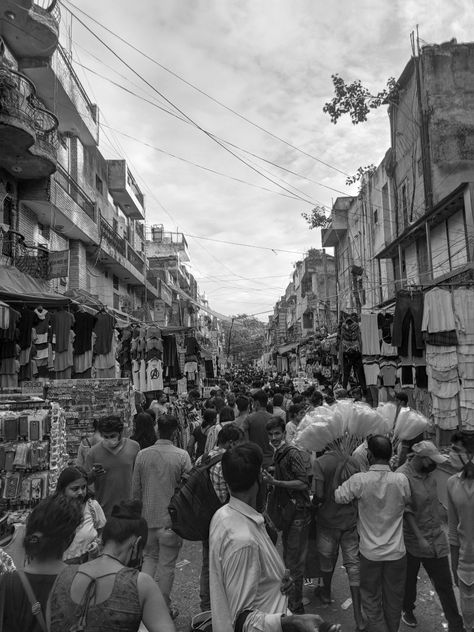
{"x": 104, "y": 330}
{"x": 408, "y": 317}
{"x": 351, "y": 350}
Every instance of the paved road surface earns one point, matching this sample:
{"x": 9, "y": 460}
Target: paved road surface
{"x": 186, "y": 597}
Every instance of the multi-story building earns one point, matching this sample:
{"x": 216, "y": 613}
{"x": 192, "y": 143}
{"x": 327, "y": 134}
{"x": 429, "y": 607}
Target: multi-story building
{"x": 167, "y": 253}
{"x": 412, "y": 223}
{"x": 308, "y": 304}
{"x": 68, "y": 215}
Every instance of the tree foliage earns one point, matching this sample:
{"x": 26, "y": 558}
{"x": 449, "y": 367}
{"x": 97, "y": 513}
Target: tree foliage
{"x": 368, "y": 170}
{"x": 356, "y": 100}
{"x": 246, "y": 336}
{"x": 317, "y": 218}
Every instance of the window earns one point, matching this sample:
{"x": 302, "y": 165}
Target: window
{"x": 116, "y": 301}
{"x": 115, "y": 282}
{"x": 376, "y": 216}
{"x": 99, "y": 184}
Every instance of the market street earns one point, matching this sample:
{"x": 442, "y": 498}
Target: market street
{"x": 186, "y": 596}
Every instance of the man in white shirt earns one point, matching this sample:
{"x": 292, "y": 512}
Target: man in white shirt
{"x": 247, "y": 575}
{"x": 382, "y": 497}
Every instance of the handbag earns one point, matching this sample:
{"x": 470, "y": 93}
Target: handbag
{"x": 35, "y": 604}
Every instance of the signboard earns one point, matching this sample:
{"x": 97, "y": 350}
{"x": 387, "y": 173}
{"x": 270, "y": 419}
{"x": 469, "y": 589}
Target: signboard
{"x": 58, "y": 264}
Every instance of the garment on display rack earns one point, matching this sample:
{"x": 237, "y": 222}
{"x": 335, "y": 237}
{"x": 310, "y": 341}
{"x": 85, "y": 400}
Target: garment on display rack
{"x": 408, "y": 316}
{"x": 83, "y": 328}
{"x": 104, "y": 330}
{"x": 438, "y": 313}
{"x": 62, "y": 324}
{"x": 369, "y": 331}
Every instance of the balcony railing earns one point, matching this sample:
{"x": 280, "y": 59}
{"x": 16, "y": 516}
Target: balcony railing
{"x": 72, "y": 188}
{"x": 110, "y": 236}
{"x": 18, "y": 99}
{"x": 14, "y": 251}
{"x": 136, "y": 261}
{"x": 50, "y": 7}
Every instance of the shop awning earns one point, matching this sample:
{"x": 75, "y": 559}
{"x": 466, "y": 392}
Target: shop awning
{"x": 17, "y": 287}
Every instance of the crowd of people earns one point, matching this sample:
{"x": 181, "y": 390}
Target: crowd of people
{"x": 100, "y": 554}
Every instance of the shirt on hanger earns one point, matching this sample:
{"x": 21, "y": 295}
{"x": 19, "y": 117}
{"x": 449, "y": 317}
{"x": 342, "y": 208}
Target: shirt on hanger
{"x": 154, "y": 374}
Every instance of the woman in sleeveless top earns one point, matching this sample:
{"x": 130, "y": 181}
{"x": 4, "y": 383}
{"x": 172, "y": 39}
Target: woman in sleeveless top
{"x": 49, "y": 531}
{"x": 109, "y": 594}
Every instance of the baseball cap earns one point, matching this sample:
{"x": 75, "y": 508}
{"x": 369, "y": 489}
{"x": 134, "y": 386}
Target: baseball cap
{"x": 428, "y": 449}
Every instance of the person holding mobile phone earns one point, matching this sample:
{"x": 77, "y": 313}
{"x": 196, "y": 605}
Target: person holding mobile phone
{"x": 110, "y": 463}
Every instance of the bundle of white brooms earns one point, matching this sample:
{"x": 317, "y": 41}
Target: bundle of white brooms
{"x": 346, "y": 424}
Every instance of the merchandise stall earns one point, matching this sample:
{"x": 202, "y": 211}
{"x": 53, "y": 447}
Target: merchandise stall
{"x": 32, "y": 452}
{"x": 81, "y": 401}
{"x": 424, "y": 346}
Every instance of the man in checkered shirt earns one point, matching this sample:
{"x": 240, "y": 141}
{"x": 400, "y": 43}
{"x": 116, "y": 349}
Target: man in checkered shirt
{"x": 158, "y": 472}
{"x": 229, "y": 436}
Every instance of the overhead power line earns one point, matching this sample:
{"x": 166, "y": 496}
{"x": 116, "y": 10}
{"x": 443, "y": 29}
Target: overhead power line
{"x": 204, "y": 131}
{"x": 194, "y": 87}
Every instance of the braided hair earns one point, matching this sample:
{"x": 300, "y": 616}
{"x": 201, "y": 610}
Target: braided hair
{"x": 51, "y": 527}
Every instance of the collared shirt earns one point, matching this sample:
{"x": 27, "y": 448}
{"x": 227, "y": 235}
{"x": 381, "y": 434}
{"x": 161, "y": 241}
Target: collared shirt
{"x": 461, "y": 524}
{"x": 290, "y": 466}
{"x": 158, "y": 471}
{"x": 245, "y": 570}
{"x": 383, "y": 496}
{"x": 216, "y": 476}
{"x": 279, "y": 412}
{"x": 426, "y": 511}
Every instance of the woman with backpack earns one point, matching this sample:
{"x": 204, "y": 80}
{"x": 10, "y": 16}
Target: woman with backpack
{"x": 109, "y": 594}
{"x": 50, "y": 529}
{"x": 72, "y": 484}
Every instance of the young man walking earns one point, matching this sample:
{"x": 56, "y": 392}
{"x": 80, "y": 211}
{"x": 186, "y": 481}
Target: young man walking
{"x": 158, "y": 471}
{"x": 382, "y": 497}
{"x": 247, "y": 576}
{"x": 110, "y": 464}
{"x": 291, "y": 505}
{"x": 425, "y": 539}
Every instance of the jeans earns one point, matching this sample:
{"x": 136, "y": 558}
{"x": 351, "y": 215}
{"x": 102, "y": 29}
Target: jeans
{"x": 382, "y": 585}
{"x": 295, "y": 546}
{"x": 204, "y": 590}
{"x": 353, "y": 361}
{"x": 408, "y": 312}
{"x": 159, "y": 558}
{"x": 440, "y": 574}
{"x": 466, "y": 597}
{"x": 328, "y": 542}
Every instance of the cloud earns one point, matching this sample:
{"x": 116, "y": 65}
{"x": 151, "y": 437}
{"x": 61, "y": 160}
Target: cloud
{"x": 271, "y": 61}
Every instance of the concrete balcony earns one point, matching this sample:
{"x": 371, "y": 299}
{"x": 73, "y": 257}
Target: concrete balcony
{"x": 28, "y": 132}
{"x": 60, "y": 202}
{"x": 125, "y": 190}
{"x": 61, "y": 90}
{"x": 118, "y": 256}
{"x": 165, "y": 242}
{"x": 30, "y": 28}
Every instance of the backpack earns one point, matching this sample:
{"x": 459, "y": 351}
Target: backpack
{"x": 195, "y": 502}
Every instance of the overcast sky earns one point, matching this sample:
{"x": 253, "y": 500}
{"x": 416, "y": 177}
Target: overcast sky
{"x": 271, "y": 62}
